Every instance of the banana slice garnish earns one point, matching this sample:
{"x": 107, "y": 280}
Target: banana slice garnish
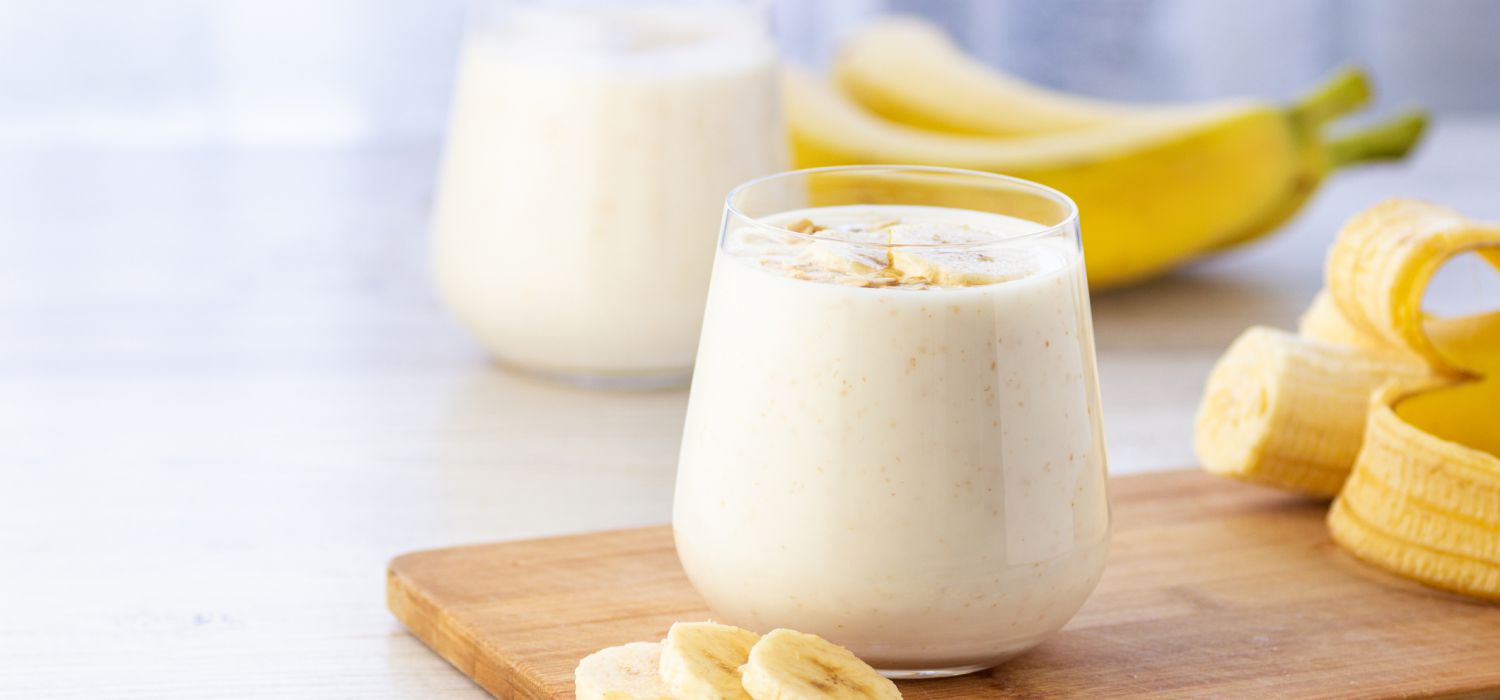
{"x": 894, "y": 253}
{"x": 789, "y": 665}
{"x": 964, "y": 266}
{"x": 625, "y": 672}
{"x": 703, "y": 660}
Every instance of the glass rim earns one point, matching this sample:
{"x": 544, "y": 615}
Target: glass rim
{"x": 1069, "y": 220}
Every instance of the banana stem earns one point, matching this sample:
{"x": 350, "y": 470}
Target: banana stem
{"x": 1344, "y": 91}
{"x": 1387, "y": 140}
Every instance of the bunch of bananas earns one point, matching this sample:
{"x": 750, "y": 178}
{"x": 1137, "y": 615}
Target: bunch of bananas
{"x": 1395, "y": 412}
{"x": 1156, "y": 185}
{"x": 708, "y": 660}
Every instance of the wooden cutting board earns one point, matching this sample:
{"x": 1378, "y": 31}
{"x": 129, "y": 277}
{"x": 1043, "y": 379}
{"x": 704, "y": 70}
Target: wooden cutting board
{"x": 1214, "y": 589}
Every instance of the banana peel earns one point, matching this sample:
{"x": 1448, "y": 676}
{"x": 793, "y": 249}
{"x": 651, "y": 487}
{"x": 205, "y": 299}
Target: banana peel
{"x": 1422, "y": 493}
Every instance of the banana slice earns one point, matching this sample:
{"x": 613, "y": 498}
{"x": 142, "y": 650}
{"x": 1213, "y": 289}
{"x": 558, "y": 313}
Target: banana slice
{"x": 626, "y": 672}
{"x": 703, "y": 659}
{"x": 857, "y": 255}
{"x": 857, "y": 260}
{"x": 788, "y": 665}
{"x": 955, "y": 267}
{"x": 963, "y": 268}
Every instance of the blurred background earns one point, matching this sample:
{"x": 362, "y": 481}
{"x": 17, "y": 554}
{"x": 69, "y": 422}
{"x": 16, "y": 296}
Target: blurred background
{"x": 275, "y": 72}
{"x": 246, "y": 185}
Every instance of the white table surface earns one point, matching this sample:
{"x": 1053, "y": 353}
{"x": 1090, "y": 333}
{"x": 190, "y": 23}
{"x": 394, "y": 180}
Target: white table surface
{"x": 228, "y": 397}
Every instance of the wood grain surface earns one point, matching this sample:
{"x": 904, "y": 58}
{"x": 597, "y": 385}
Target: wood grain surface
{"x": 1214, "y": 589}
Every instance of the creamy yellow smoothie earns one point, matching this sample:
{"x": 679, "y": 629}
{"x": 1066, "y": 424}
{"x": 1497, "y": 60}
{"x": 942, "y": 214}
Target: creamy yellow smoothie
{"x": 590, "y": 148}
{"x": 892, "y": 444}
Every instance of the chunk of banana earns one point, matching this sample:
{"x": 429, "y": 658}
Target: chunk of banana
{"x": 1290, "y": 412}
{"x": 703, "y": 659}
{"x": 626, "y": 672}
{"x": 850, "y": 259}
{"x": 788, "y": 665}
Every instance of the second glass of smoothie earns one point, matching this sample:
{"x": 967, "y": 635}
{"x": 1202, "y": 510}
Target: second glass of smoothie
{"x": 591, "y": 144}
{"x": 893, "y": 436}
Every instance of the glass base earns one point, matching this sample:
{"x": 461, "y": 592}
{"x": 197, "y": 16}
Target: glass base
{"x": 643, "y": 381}
{"x": 923, "y": 673}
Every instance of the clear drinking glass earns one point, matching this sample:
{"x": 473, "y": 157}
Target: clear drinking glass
{"x": 591, "y": 142}
{"x": 893, "y": 436}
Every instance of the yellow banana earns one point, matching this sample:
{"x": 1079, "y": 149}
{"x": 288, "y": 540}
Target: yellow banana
{"x": 1388, "y": 140}
{"x": 908, "y": 70}
{"x": 1153, "y": 192}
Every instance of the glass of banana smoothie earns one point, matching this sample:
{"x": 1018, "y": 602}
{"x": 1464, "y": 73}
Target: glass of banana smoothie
{"x": 893, "y": 435}
{"x": 590, "y": 146}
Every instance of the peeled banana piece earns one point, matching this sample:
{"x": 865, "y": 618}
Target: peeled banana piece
{"x": 789, "y": 665}
{"x": 1422, "y": 495}
{"x": 703, "y": 660}
{"x": 1288, "y": 411}
{"x": 625, "y": 672}
{"x": 1323, "y": 321}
